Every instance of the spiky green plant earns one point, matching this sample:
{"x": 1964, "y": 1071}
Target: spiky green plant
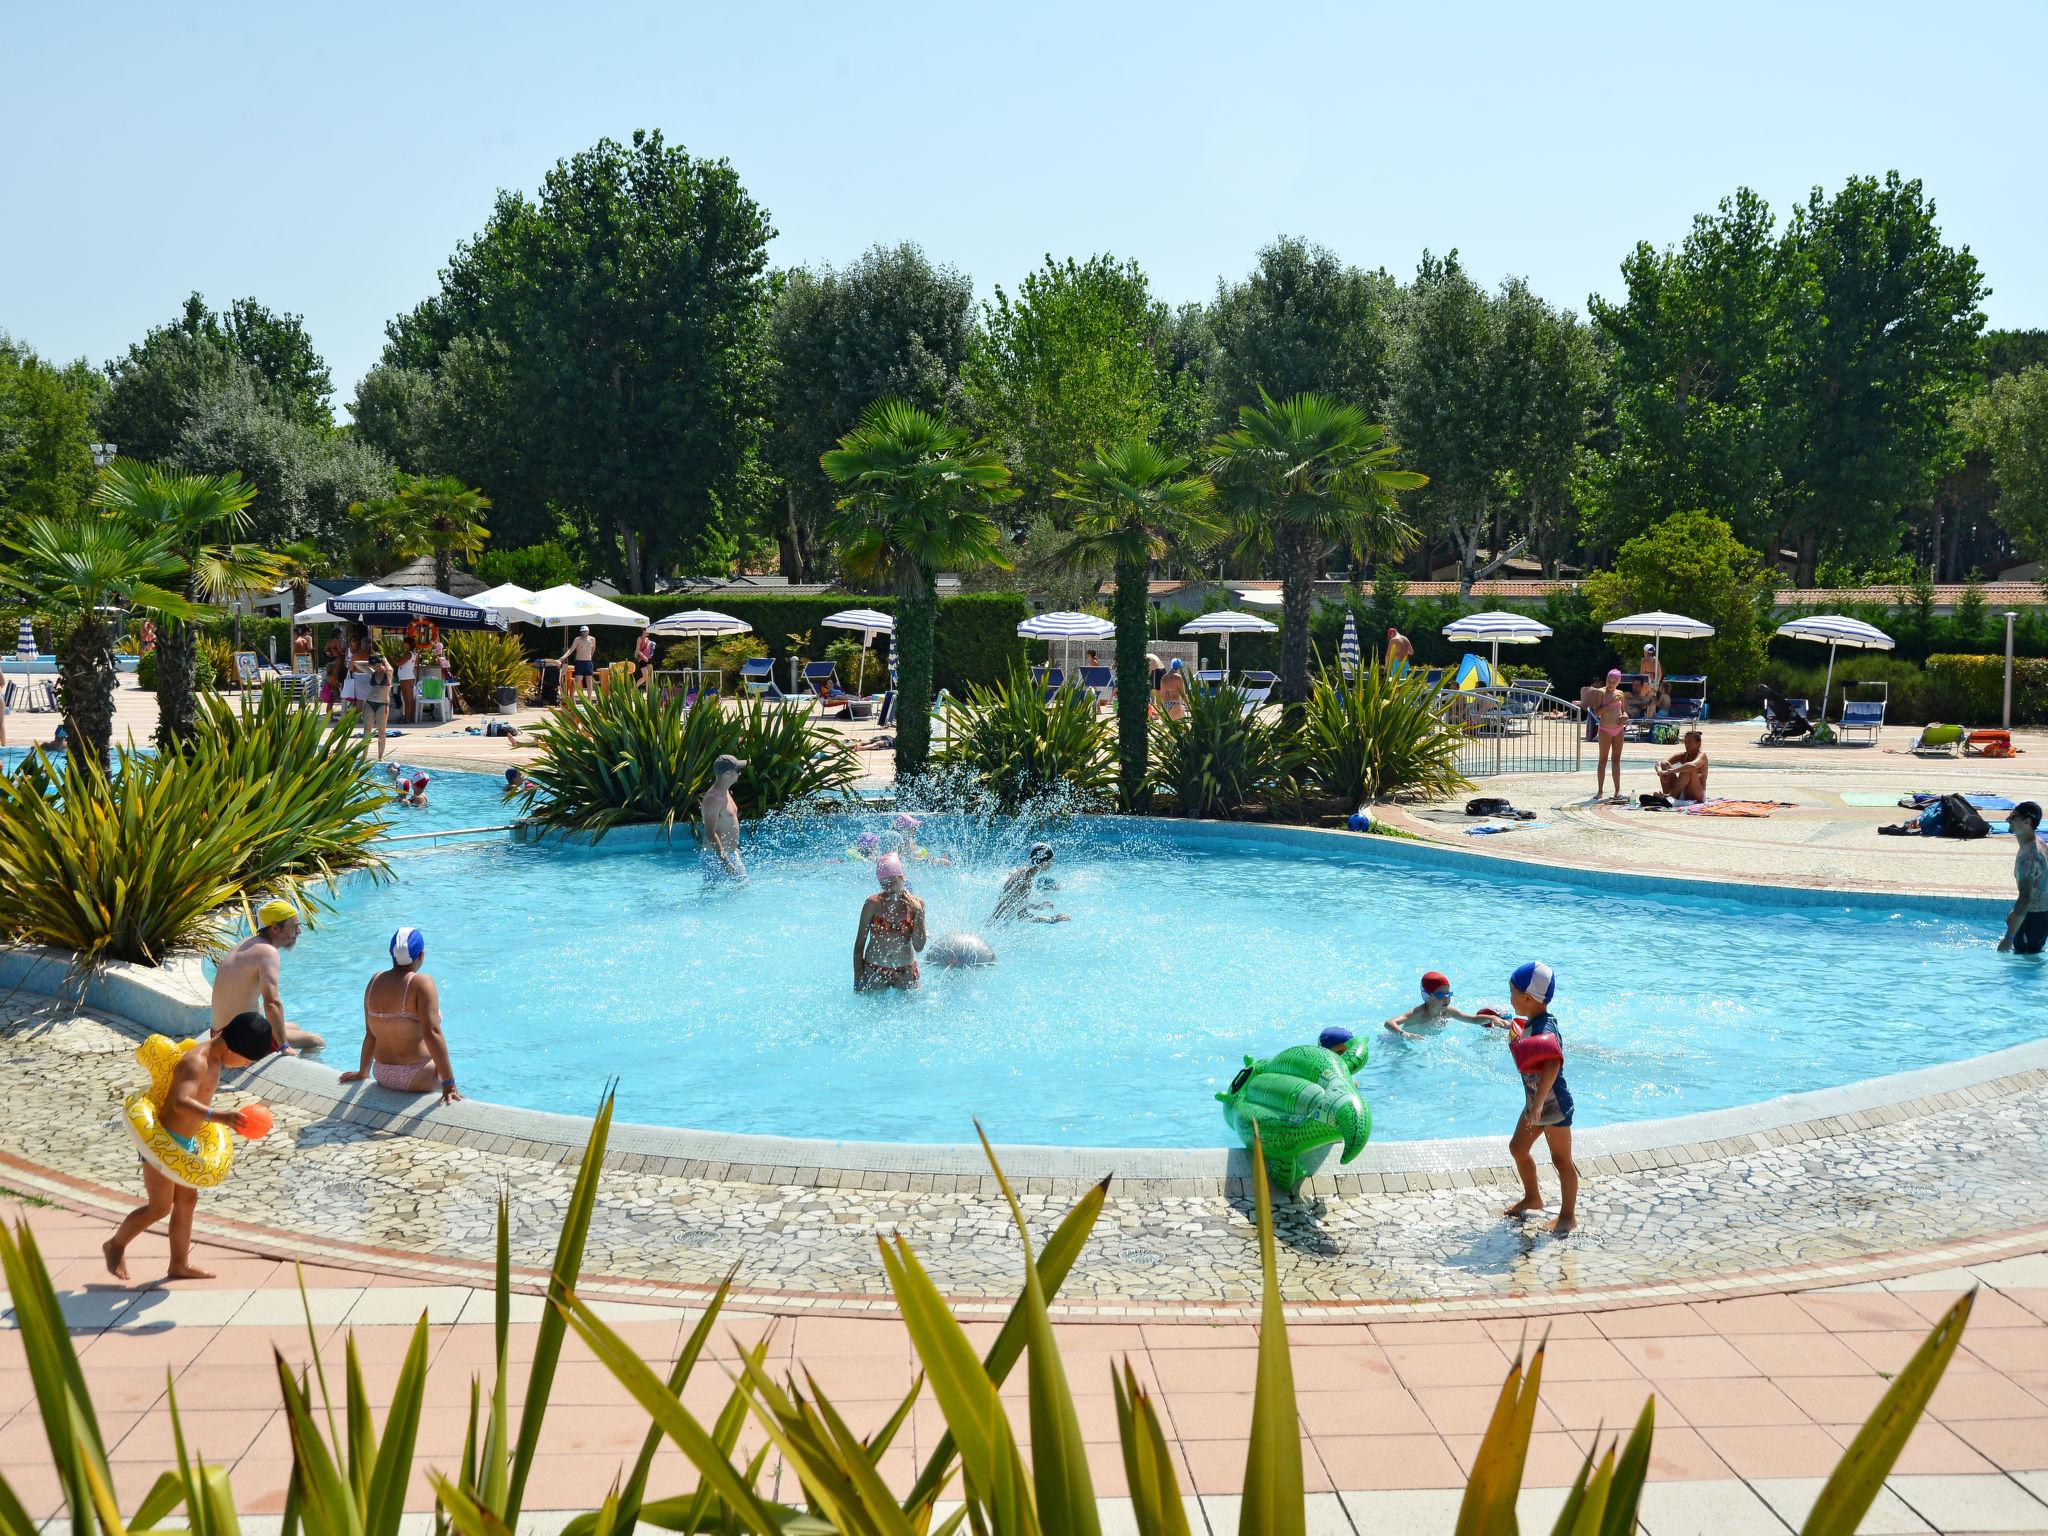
{"x": 350, "y": 1476}
{"x": 483, "y": 662}
{"x": 1373, "y": 735}
{"x": 1219, "y": 757}
{"x": 1021, "y": 745}
{"x": 618, "y": 755}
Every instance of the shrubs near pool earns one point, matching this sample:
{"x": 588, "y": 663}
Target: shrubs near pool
{"x": 482, "y": 662}
{"x": 350, "y": 1474}
{"x": 620, "y": 755}
{"x": 1021, "y": 745}
{"x": 1373, "y": 734}
{"x": 1218, "y": 758}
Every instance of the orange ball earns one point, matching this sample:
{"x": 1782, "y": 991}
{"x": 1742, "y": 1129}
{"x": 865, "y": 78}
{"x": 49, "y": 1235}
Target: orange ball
{"x": 253, "y": 1121}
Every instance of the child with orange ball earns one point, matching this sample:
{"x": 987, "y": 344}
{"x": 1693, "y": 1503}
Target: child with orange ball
{"x": 186, "y": 1107}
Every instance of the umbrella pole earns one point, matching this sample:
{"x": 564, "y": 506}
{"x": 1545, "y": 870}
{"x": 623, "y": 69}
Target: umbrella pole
{"x": 1824, "y": 687}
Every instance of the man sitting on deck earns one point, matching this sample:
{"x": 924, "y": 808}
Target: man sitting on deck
{"x": 1684, "y": 776}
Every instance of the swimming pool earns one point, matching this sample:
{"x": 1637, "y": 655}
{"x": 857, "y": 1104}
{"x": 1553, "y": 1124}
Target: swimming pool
{"x": 732, "y": 1009}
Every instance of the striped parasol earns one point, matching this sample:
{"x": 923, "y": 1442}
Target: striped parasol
{"x": 25, "y": 642}
{"x": 1347, "y": 648}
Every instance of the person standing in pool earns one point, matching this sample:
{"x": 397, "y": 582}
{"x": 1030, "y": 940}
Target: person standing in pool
{"x": 403, "y": 1047}
{"x": 1015, "y": 901}
{"x": 890, "y": 934}
{"x": 2026, "y": 925}
{"x": 1546, "y": 1102}
{"x": 720, "y": 854}
{"x": 245, "y": 979}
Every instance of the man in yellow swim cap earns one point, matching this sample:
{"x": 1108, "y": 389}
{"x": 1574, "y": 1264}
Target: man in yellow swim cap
{"x": 246, "y": 978}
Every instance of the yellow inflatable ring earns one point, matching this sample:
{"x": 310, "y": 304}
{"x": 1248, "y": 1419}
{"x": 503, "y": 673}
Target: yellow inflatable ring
{"x": 208, "y": 1163}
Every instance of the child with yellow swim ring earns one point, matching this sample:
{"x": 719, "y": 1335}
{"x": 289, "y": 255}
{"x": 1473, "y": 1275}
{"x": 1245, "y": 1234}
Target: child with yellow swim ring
{"x": 182, "y": 1138}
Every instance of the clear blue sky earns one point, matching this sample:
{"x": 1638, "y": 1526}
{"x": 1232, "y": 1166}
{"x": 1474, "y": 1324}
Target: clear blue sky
{"x": 327, "y": 160}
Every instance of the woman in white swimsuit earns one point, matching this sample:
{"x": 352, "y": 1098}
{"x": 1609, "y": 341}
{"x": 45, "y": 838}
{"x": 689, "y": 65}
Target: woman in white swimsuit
{"x": 403, "y": 1047}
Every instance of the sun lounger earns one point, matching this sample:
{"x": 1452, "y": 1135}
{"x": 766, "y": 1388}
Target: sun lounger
{"x": 1098, "y": 681}
{"x": 1258, "y": 687}
{"x": 821, "y": 684}
{"x": 1939, "y": 741}
{"x": 757, "y": 676}
{"x": 1209, "y": 680}
{"x": 1052, "y": 680}
{"x": 1864, "y": 716}
{"x": 1989, "y": 744}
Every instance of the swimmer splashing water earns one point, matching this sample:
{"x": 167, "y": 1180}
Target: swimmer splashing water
{"x": 890, "y": 934}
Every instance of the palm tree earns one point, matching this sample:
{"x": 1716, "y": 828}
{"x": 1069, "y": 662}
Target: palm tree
{"x": 1132, "y": 501}
{"x": 76, "y": 568}
{"x": 192, "y": 512}
{"x": 438, "y": 516}
{"x": 916, "y": 503}
{"x": 1297, "y": 476}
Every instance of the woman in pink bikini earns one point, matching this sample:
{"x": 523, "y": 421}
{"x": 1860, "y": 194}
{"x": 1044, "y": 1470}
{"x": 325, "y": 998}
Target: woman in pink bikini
{"x": 1609, "y": 708}
{"x": 891, "y": 933}
{"x": 403, "y": 1047}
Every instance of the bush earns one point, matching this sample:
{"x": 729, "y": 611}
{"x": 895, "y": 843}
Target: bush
{"x": 619, "y": 755}
{"x": 1020, "y": 747}
{"x": 1377, "y": 735}
{"x": 1970, "y": 690}
{"x": 1692, "y": 563}
{"x": 728, "y": 656}
{"x": 266, "y": 799}
{"x": 204, "y": 675}
{"x": 215, "y": 664}
{"x": 535, "y": 567}
{"x": 482, "y": 662}
{"x": 1909, "y": 690}
{"x": 860, "y": 669}
{"x": 1218, "y": 758}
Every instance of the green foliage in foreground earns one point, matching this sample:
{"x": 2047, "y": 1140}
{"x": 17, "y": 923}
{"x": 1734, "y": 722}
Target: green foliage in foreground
{"x": 1218, "y": 757}
{"x": 1021, "y": 746}
{"x": 268, "y": 798}
{"x": 350, "y": 1474}
{"x": 619, "y": 755}
{"x": 1373, "y": 735}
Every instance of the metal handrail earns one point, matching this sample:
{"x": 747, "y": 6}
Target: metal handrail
{"x": 1512, "y": 730}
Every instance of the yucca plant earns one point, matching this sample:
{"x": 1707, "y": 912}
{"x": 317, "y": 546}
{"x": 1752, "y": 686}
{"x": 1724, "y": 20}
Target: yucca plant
{"x": 1219, "y": 757}
{"x": 350, "y": 1475}
{"x": 1373, "y": 735}
{"x": 483, "y": 662}
{"x": 618, "y": 755}
{"x": 1021, "y": 746}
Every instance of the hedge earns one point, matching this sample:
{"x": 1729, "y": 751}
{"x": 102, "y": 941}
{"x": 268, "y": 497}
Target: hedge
{"x": 1970, "y": 690}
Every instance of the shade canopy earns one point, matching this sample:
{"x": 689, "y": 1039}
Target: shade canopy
{"x": 1260, "y": 597}
{"x": 564, "y": 606}
{"x": 869, "y": 621}
{"x": 1225, "y": 622}
{"x": 498, "y": 597}
{"x": 1836, "y": 629}
{"x": 1472, "y": 674}
{"x": 1498, "y": 629}
{"x": 399, "y": 606}
{"x": 318, "y": 614}
{"x": 1660, "y": 626}
{"x": 1066, "y": 626}
{"x": 699, "y": 622}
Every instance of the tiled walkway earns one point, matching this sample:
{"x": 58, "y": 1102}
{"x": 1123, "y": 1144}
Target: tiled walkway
{"x": 1755, "y": 1396}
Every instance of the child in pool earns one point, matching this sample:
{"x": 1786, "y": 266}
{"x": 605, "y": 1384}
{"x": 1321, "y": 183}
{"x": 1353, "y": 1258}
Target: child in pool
{"x": 1546, "y": 1101}
{"x": 188, "y": 1104}
{"x": 1434, "y": 1011}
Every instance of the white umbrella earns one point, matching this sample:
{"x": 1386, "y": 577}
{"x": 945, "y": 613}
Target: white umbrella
{"x": 505, "y": 593}
{"x": 1260, "y": 597}
{"x": 696, "y": 624}
{"x": 1225, "y": 623}
{"x": 1497, "y": 628}
{"x": 1833, "y": 629}
{"x": 559, "y": 607}
{"x": 1066, "y": 626}
{"x": 318, "y": 614}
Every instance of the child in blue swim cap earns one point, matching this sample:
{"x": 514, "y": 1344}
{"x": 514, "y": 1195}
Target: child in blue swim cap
{"x": 1547, "y": 1109}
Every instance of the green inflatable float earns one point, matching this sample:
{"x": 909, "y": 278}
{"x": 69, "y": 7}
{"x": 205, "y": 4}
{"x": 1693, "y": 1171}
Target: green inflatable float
{"x": 1303, "y": 1102}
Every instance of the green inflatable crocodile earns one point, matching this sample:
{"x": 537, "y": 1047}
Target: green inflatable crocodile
{"x": 1303, "y": 1102}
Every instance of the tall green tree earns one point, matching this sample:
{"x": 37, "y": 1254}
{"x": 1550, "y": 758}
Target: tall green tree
{"x": 1444, "y": 403}
{"x": 46, "y": 464}
{"x": 1692, "y": 563}
{"x": 1131, "y": 501}
{"x": 1301, "y": 322}
{"x": 76, "y": 567}
{"x": 1299, "y": 476}
{"x": 888, "y": 326}
{"x": 1885, "y": 319}
{"x": 918, "y": 497}
{"x": 200, "y": 519}
{"x": 1546, "y": 383}
{"x": 627, "y": 305}
{"x": 433, "y": 515}
{"x": 1078, "y": 357}
{"x": 2008, "y": 422}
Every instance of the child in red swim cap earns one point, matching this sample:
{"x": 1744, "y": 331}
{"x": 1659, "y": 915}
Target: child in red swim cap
{"x": 1433, "y": 1012}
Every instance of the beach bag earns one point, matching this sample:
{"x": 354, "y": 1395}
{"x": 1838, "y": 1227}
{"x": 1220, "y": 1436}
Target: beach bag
{"x": 1958, "y": 818}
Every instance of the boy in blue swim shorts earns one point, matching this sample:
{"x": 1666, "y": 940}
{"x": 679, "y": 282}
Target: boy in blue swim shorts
{"x": 1538, "y": 1049}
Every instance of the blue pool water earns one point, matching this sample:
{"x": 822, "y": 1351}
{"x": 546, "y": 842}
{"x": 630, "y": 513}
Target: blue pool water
{"x": 733, "y": 1009}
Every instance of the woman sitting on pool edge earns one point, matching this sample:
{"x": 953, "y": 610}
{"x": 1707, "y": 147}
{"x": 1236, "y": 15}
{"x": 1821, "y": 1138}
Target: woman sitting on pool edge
{"x": 403, "y": 1047}
{"x": 890, "y": 934}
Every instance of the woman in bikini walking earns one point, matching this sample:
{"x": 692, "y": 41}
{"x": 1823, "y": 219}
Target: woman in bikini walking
{"x": 403, "y": 1047}
{"x": 891, "y": 933}
{"x": 1609, "y": 708}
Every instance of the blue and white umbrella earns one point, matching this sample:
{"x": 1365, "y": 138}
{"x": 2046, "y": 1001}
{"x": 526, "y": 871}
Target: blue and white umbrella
{"x": 1497, "y": 628}
{"x": 25, "y": 642}
{"x": 1347, "y": 648}
{"x": 1831, "y": 630}
{"x": 1066, "y": 626}
{"x": 395, "y": 607}
{"x": 696, "y": 624}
